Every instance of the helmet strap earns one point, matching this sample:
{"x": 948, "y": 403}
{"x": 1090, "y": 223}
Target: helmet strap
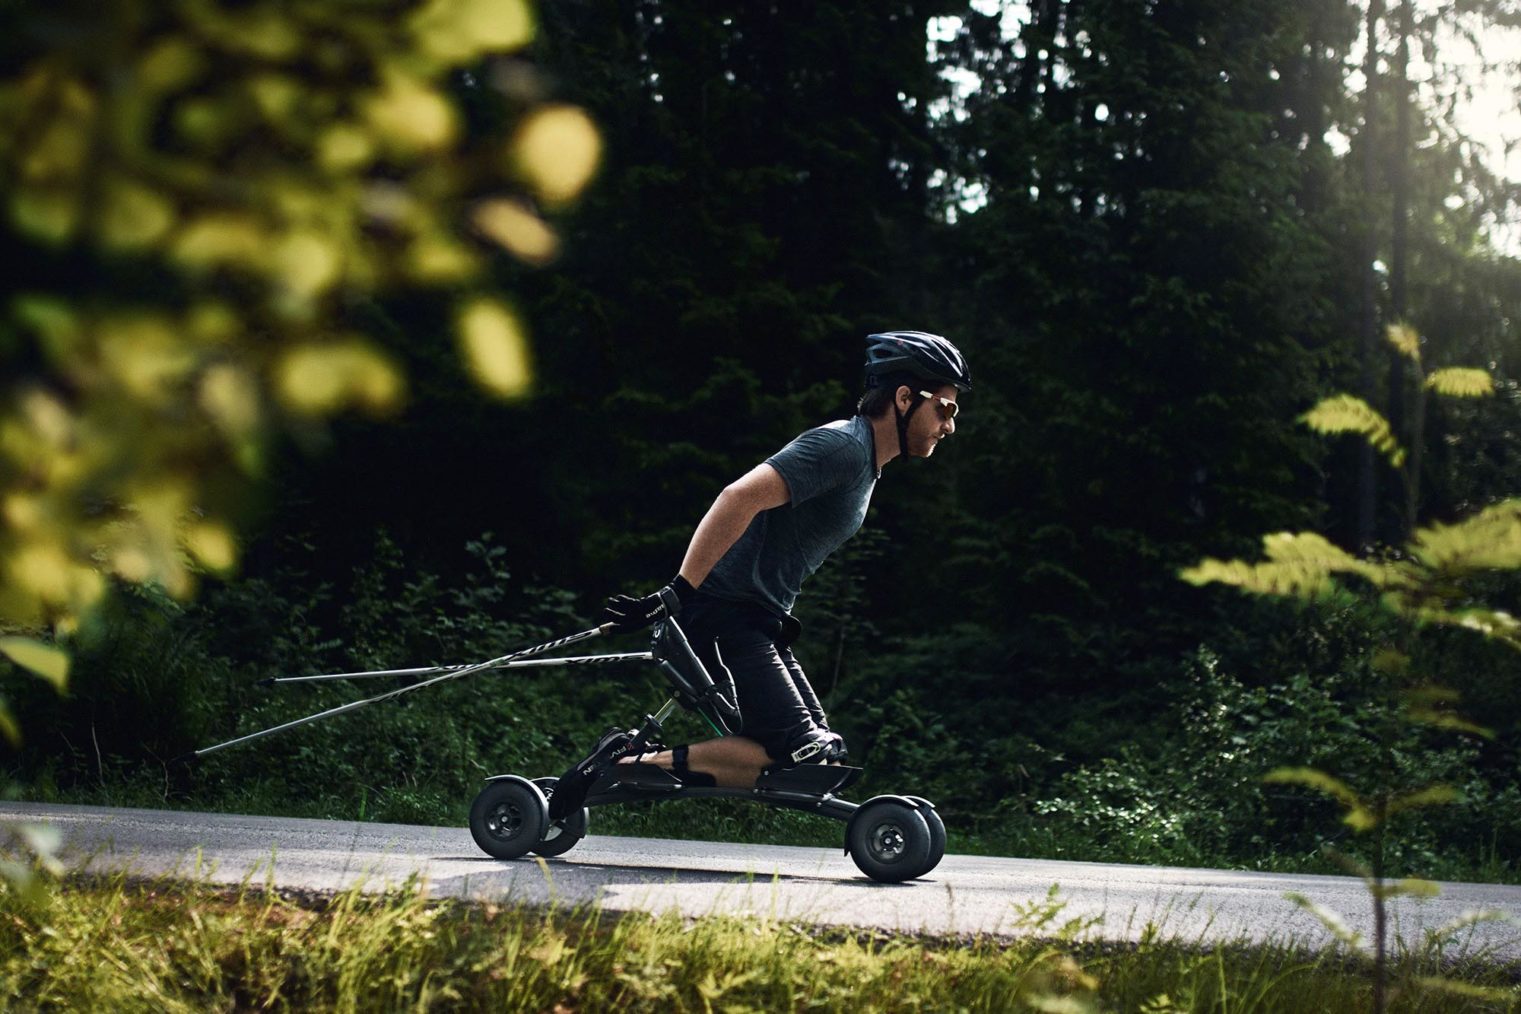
{"x": 903, "y": 418}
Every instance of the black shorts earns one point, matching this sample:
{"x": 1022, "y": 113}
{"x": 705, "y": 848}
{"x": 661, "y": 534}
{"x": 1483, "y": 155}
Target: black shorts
{"x": 777, "y": 706}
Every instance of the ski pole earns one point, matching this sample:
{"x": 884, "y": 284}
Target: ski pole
{"x": 389, "y": 695}
{"x": 638, "y": 656}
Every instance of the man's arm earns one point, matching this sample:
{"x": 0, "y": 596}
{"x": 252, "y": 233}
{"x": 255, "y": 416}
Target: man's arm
{"x": 759, "y": 489}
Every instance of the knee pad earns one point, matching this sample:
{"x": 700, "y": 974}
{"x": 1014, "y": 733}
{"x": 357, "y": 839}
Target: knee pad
{"x": 816, "y": 746}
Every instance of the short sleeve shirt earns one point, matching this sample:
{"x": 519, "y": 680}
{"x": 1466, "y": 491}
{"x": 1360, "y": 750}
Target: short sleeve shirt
{"x": 830, "y": 472}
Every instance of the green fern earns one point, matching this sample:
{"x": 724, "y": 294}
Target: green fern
{"x": 1299, "y": 564}
{"x": 1489, "y": 540}
{"x": 1405, "y": 340}
{"x": 1344, "y": 413}
{"x": 1461, "y": 382}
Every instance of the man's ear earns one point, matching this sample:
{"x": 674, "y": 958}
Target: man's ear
{"x": 904, "y": 397}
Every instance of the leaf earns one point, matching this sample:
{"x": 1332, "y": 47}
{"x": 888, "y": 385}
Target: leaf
{"x": 9, "y": 728}
{"x": 557, "y": 150}
{"x": 495, "y": 347}
{"x": 1498, "y": 994}
{"x": 307, "y": 263}
{"x": 1447, "y": 720}
{"x": 461, "y": 30}
{"x": 1467, "y": 919}
{"x": 1299, "y": 564}
{"x": 1358, "y": 815}
{"x": 1435, "y": 795}
{"x": 44, "y": 841}
{"x": 1489, "y": 540}
{"x": 133, "y": 216}
{"x": 1331, "y": 920}
{"x": 45, "y": 660}
{"x": 513, "y": 225}
{"x": 320, "y": 379}
{"x": 1405, "y": 340}
{"x": 411, "y": 117}
{"x": 1410, "y": 887}
{"x": 1461, "y": 382}
{"x": 1344, "y": 413}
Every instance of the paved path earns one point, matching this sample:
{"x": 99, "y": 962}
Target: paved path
{"x": 963, "y": 895}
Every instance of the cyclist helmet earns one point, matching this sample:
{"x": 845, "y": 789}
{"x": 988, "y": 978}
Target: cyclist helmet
{"x": 924, "y": 355}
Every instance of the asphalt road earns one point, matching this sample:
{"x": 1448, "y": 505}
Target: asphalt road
{"x": 964, "y": 895}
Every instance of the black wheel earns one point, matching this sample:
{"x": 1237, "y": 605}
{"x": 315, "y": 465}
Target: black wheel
{"x": 936, "y": 829}
{"x": 562, "y": 835}
{"x": 508, "y": 818}
{"x": 889, "y": 841}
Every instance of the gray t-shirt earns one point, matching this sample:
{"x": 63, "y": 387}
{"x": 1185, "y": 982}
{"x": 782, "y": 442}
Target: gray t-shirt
{"x": 830, "y": 472}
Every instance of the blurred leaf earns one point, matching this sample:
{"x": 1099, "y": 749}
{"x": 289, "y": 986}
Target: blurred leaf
{"x": 1405, "y": 341}
{"x": 1358, "y": 815}
{"x": 517, "y": 228}
{"x": 410, "y": 117}
{"x": 9, "y": 727}
{"x": 1489, "y": 540}
{"x": 134, "y": 216}
{"x": 50, "y": 214}
{"x": 1469, "y": 990}
{"x": 1435, "y": 795}
{"x": 1346, "y": 414}
{"x": 1461, "y": 382}
{"x": 1331, "y": 920}
{"x": 45, "y": 660}
{"x": 1447, "y": 720}
{"x": 496, "y": 350}
{"x": 212, "y": 544}
{"x": 221, "y": 238}
{"x": 308, "y": 263}
{"x": 1410, "y": 887}
{"x": 459, "y": 30}
{"x": 557, "y": 150}
{"x": 345, "y": 147}
{"x": 321, "y": 379}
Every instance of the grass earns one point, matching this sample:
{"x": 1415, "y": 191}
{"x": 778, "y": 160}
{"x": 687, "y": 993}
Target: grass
{"x": 119, "y": 944}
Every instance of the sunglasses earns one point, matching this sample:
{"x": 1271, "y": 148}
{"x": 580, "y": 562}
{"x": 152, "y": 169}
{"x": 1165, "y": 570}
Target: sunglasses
{"x": 947, "y": 407}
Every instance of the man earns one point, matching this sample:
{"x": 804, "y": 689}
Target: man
{"x": 766, "y": 533}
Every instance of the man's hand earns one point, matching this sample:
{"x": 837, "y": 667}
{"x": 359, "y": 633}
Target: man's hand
{"x": 626, "y": 612}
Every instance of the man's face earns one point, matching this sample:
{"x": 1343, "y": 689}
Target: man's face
{"x": 933, "y": 422}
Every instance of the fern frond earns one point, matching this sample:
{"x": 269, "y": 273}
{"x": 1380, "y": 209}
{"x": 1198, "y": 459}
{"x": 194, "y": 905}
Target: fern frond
{"x": 1409, "y": 887}
{"x": 1405, "y": 340}
{"x": 1299, "y": 565}
{"x": 1461, "y": 382}
{"x": 1344, "y": 413}
{"x": 1494, "y": 624}
{"x": 1490, "y": 540}
{"x": 1293, "y": 580}
{"x": 1331, "y": 920}
{"x": 1435, "y": 795}
{"x": 1448, "y": 721}
{"x": 1359, "y": 816}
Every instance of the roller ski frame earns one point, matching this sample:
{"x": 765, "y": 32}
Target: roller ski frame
{"x": 892, "y": 838}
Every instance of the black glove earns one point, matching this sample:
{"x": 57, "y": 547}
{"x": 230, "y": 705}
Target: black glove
{"x": 626, "y": 612}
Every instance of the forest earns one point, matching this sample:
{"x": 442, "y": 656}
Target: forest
{"x": 305, "y": 373}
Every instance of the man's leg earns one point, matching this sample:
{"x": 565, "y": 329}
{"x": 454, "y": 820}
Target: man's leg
{"x": 735, "y": 762}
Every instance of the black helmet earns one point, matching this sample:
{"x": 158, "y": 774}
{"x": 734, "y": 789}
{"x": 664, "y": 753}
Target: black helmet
{"x": 924, "y": 355}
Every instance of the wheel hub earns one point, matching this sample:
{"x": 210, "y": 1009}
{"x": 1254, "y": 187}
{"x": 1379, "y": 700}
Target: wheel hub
{"x": 504, "y": 821}
{"x": 887, "y": 842}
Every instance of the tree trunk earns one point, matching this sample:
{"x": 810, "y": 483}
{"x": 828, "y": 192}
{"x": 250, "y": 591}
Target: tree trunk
{"x": 1367, "y": 475}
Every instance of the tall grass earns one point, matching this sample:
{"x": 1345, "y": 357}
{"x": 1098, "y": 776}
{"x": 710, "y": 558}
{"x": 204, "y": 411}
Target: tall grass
{"x": 122, "y": 945}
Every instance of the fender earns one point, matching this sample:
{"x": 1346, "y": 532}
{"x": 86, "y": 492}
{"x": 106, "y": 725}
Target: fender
{"x": 526, "y": 783}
